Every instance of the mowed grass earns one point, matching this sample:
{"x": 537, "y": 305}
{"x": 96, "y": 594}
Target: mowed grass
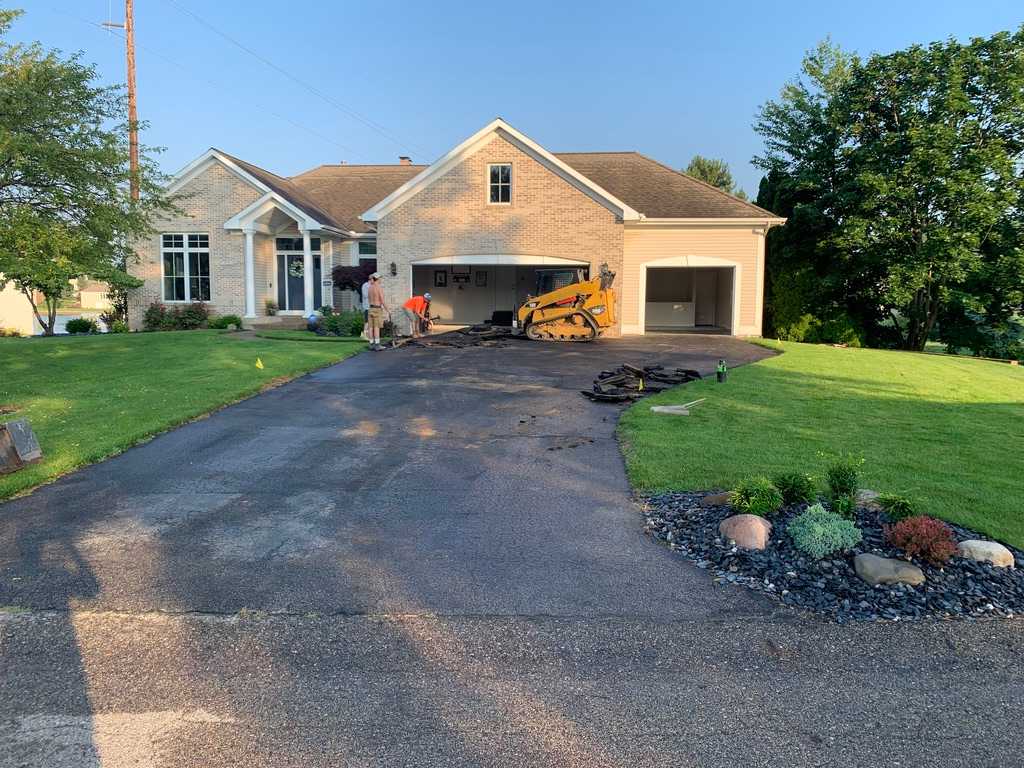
{"x": 93, "y": 396}
{"x": 285, "y": 335}
{"x": 945, "y": 431}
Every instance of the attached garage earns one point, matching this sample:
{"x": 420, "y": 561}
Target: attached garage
{"x": 689, "y": 299}
{"x": 466, "y": 290}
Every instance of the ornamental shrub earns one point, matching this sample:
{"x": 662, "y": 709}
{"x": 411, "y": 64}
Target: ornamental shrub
{"x": 159, "y": 317}
{"x": 819, "y": 533}
{"x": 191, "y": 316}
{"x": 82, "y": 325}
{"x": 342, "y": 324}
{"x": 897, "y": 507}
{"x": 924, "y": 537}
{"x": 843, "y": 475}
{"x": 223, "y": 321}
{"x": 117, "y": 326}
{"x": 796, "y": 487}
{"x": 756, "y": 496}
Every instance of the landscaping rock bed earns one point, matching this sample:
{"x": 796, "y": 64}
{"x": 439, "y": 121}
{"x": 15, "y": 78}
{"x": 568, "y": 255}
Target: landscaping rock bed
{"x": 963, "y": 588}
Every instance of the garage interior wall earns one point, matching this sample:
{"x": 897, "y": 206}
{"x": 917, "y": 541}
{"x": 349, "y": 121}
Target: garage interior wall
{"x": 474, "y": 295}
{"x": 688, "y": 298}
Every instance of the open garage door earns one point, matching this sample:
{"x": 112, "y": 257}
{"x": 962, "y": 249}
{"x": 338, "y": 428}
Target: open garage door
{"x": 472, "y": 290}
{"x": 689, "y": 299}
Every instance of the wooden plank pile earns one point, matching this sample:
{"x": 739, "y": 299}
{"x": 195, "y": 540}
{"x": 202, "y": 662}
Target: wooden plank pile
{"x": 629, "y": 382}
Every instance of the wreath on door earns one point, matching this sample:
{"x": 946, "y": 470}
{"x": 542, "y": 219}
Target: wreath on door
{"x": 295, "y": 269}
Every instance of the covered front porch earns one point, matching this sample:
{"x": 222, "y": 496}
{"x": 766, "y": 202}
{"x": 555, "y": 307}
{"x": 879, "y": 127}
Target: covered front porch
{"x": 287, "y": 260}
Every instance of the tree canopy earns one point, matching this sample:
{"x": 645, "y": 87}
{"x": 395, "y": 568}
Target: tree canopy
{"x": 714, "y": 172}
{"x": 902, "y": 176}
{"x": 65, "y": 205}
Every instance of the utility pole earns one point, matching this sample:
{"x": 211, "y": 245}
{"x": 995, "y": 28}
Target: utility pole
{"x": 133, "y": 115}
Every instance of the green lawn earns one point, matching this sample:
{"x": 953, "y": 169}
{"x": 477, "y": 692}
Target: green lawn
{"x": 285, "y": 335}
{"x": 946, "y": 431}
{"x": 92, "y": 396}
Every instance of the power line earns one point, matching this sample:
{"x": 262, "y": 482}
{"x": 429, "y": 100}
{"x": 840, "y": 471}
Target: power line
{"x": 344, "y": 109}
{"x": 220, "y": 87}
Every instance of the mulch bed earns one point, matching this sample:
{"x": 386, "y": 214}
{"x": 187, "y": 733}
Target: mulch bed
{"x": 963, "y": 588}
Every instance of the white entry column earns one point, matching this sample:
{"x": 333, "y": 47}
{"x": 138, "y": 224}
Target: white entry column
{"x": 307, "y": 272}
{"x": 250, "y": 274}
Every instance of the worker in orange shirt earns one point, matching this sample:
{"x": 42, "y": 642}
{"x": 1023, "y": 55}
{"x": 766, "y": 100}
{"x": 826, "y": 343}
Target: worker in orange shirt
{"x": 417, "y": 312}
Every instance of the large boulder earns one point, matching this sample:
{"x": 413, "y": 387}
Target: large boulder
{"x": 886, "y": 570}
{"x": 748, "y": 531}
{"x": 986, "y": 552}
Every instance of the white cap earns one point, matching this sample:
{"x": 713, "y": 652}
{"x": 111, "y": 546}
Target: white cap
{"x": 375, "y": 276}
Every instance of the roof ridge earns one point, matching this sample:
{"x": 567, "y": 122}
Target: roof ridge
{"x": 602, "y": 152}
{"x": 705, "y": 184}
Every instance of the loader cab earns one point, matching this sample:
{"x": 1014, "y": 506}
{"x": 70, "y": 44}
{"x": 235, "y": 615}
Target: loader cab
{"x": 552, "y": 279}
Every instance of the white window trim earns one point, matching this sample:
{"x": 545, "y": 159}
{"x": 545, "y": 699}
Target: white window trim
{"x": 511, "y": 182}
{"x": 188, "y": 275}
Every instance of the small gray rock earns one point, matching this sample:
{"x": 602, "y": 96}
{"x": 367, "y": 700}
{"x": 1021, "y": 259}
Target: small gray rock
{"x": 877, "y": 570}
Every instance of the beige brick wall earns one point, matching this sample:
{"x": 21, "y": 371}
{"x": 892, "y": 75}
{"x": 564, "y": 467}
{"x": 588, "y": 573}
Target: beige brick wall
{"x": 211, "y": 198}
{"x": 451, "y": 217}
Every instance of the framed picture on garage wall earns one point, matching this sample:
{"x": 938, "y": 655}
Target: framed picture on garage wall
{"x": 481, "y": 279}
{"x": 440, "y": 278}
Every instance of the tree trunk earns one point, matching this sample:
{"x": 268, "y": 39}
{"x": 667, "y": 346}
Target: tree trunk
{"x": 51, "y": 315}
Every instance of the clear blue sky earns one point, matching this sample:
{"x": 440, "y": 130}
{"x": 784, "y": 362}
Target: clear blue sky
{"x": 669, "y": 79}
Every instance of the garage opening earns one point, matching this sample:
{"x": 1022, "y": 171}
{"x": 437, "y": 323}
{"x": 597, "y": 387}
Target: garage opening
{"x": 698, "y": 299}
{"x": 486, "y": 293}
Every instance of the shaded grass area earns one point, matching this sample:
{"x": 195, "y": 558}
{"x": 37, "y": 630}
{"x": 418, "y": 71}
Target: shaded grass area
{"x": 306, "y": 336}
{"x": 943, "y": 430}
{"x": 89, "y": 397}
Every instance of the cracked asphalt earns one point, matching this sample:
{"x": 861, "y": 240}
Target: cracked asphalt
{"x": 431, "y": 557}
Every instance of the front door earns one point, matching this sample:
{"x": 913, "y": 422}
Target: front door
{"x": 291, "y": 293}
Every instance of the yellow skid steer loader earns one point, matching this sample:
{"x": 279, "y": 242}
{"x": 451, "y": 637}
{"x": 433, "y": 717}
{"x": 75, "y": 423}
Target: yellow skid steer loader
{"x": 578, "y": 311}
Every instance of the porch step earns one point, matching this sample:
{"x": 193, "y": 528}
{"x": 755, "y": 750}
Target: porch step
{"x": 278, "y": 322}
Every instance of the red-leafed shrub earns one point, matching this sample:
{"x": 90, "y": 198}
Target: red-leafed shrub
{"x": 924, "y": 537}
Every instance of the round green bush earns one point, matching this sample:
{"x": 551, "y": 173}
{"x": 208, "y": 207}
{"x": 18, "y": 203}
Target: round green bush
{"x": 796, "y": 487}
{"x": 223, "y": 321}
{"x": 82, "y": 325}
{"x": 820, "y": 533}
{"x": 756, "y": 496}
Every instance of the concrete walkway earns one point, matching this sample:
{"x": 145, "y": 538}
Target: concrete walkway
{"x": 430, "y": 557}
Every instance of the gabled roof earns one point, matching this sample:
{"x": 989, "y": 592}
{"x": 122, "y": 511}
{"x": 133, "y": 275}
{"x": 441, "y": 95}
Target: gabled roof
{"x": 657, "y": 191}
{"x": 345, "y": 191}
{"x": 286, "y": 189}
{"x": 480, "y": 139}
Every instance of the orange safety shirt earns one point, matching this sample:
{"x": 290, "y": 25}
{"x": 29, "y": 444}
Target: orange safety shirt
{"x": 417, "y": 304}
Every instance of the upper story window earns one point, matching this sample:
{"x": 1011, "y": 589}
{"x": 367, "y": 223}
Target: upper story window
{"x": 367, "y": 247}
{"x": 500, "y": 183}
{"x": 294, "y": 244}
{"x": 185, "y": 261}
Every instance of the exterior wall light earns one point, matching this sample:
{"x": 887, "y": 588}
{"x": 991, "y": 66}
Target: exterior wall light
{"x": 394, "y": 269}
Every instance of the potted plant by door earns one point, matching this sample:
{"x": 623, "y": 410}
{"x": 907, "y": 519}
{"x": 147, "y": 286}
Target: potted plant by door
{"x": 271, "y": 306}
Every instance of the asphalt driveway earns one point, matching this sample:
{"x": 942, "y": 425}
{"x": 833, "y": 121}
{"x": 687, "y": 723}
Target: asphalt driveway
{"x": 430, "y": 557}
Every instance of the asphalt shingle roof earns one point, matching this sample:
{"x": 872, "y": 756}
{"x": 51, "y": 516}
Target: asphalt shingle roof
{"x": 345, "y": 191}
{"x": 336, "y": 194}
{"x": 655, "y": 190}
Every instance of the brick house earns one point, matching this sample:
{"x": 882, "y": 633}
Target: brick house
{"x": 474, "y": 229}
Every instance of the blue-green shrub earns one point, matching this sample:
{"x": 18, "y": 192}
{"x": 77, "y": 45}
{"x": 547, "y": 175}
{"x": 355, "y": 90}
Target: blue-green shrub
{"x": 820, "y": 533}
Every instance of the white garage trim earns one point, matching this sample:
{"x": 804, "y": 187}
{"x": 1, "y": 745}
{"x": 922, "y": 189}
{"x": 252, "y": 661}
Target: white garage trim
{"x": 687, "y": 261}
{"x": 502, "y": 260}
